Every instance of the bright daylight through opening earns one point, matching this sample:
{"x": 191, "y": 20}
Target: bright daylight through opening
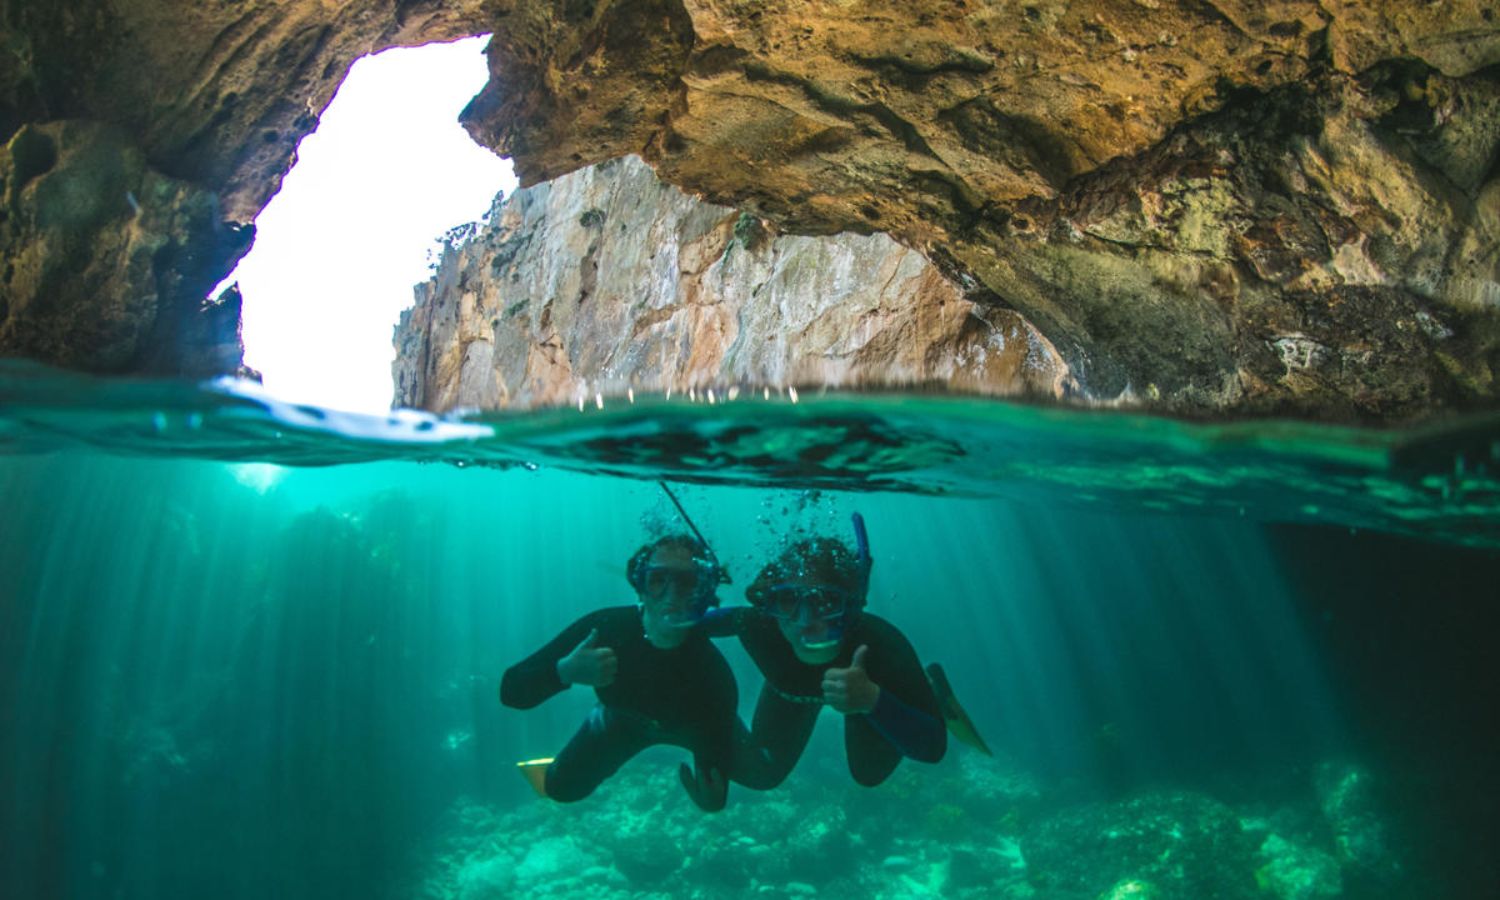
{"x": 339, "y": 249}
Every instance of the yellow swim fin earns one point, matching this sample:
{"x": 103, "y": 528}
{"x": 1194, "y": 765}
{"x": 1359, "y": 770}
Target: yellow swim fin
{"x": 535, "y": 773}
{"x": 958, "y": 722}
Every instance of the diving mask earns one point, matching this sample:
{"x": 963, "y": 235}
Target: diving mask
{"x": 679, "y": 595}
{"x": 788, "y": 601}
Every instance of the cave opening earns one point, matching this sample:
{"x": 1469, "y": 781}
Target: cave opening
{"x": 355, "y": 224}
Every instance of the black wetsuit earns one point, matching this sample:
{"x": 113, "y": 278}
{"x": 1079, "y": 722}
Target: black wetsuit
{"x": 684, "y": 696}
{"x": 906, "y": 720}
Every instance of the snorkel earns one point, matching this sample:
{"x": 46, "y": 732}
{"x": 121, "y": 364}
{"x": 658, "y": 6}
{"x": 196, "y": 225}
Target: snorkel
{"x": 712, "y": 574}
{"x": 862, "y": 545}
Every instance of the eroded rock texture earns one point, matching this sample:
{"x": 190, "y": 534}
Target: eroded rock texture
{"x": 141, "y": 137}
{"x": 1230, "y": 205}
{"x": 1210, "y": 206}
{"x": 108, "y": 263}
{"x": 605, "y": 279}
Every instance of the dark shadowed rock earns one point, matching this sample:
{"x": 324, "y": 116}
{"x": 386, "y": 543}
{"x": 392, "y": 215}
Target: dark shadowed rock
{"x": 142, "y": 138}
{"x": 107, "y": 263}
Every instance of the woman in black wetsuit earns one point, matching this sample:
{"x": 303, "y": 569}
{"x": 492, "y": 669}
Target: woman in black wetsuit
{"x": 658, "y": 678}
{"x": 816, "y": 646}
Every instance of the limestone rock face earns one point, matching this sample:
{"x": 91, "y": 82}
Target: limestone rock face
{"x": 1217, "y": 206}
{"x": 606, "y": 279}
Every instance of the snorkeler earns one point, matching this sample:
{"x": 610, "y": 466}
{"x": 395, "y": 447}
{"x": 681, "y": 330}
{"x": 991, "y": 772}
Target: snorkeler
{"x": 658, "y": 678}
{"x": 807, "y": 631}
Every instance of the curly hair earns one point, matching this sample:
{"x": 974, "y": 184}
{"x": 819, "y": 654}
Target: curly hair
{"x": 822, "y": 560}
{"x": 635, "y": 568}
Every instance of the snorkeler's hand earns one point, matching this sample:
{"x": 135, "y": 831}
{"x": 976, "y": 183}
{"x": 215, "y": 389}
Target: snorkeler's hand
{"x": 850, "y": 690}
{"x": 707, "y": 787}
{"x": 588, "y": 664}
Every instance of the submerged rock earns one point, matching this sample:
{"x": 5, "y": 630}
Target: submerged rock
{"x": 1156, "y": 845}
{"x": 486, "y": 878}
{"x": 1347, "y": 794}
{"x": 107, "y": 262}
{"x": 639, "y": 836}
{"x": 1132, "y": 889}
{"x": 1295, "y": 872}
{"x": 553, "y": 860}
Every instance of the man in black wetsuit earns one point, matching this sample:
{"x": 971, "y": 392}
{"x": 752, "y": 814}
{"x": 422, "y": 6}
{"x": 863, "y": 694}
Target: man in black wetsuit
{"x": 658, "y": 678}
{"x": 808, "y": 633}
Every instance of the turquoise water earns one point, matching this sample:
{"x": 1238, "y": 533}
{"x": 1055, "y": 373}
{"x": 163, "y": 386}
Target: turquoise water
{"x": 252, "y": 650}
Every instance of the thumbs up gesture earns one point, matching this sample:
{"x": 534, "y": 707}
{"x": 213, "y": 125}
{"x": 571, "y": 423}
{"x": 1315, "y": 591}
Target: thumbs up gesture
{"x": 588, "y": 664}
{"x": 850, "y": 690}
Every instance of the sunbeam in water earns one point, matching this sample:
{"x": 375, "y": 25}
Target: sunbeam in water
{"x": 253, "y": 650}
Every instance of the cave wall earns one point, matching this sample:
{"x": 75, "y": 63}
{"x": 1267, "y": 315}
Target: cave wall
{"x": 1227, "y": 206}
{"x": 1210, "y": 207}
{"x": 108, "y": 263}
{"x": 606, "y": 280}
{"x": 140, "y": 139}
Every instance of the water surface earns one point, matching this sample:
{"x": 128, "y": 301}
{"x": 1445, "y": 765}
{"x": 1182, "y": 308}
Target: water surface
{"x": 249, "y": 649}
